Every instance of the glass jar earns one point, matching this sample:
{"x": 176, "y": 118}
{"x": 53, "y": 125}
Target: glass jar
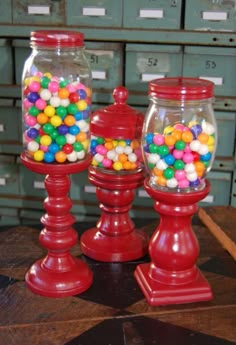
{"x": 179, "y": 133}
{"x": 56, "y": 98}
{"x": 116, "y": 136}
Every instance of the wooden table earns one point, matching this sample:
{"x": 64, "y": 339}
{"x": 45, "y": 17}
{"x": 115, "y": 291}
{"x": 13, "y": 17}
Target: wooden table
{"x": 113, "y": 311}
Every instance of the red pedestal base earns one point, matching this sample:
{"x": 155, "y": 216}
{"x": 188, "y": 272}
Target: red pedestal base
{"x": 114, "y": 239}
{"x": 59, "y": 274}
{"x": 172, "y": 276}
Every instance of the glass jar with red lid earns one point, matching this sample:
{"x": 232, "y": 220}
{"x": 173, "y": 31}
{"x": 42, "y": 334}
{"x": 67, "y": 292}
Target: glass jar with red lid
{"x": 116, "y": 136}
{"x": 179, "y": 133}
{"x": 56, "y": 98}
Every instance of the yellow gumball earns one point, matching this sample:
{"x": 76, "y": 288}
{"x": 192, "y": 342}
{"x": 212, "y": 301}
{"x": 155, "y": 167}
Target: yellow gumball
{"x": 94, "y": 162}
{"x": 211, "y": 148}
{"x": 82, "y": 105}
{"x": 45, "y": 140}
{"x": 56, "y": 120}
{"x": 49, "y": 111}
{"x": 117, "y": 166}
{"x": 211, "y": 140}
{"x": 85, "y": 144}
{"x": 48, "y": 75}
{"x": 38, "y": 155}
{"x": 168, "y": 130}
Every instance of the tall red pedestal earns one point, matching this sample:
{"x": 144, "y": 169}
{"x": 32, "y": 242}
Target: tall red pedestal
{"x": 114, "y": 239}
{"x": 172, "y": 276}
{"x": 59, "y": 274}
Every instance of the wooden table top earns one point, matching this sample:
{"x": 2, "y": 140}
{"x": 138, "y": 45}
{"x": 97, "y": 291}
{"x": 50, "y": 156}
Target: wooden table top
{"x": 113, "y": 311}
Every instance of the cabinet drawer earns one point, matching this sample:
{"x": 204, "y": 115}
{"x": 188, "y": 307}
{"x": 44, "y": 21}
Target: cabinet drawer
{"x": 6, "y": 62}
{"x": 5, "y": 12}
{"x": 148, "y": 62}
{"x": 38, "y": 12}
{"x": 226, "y": 124}
{"x": 146, "y": 14}
{"x": 10, "y": 127}
{"x": 9, "y": 184}
{"x": 106, "y": 61}
{"x": 107, "y": 13}
{"x": 212, "y": 63}
{"x": 31, "y": 184}
{"x": 22, "y": 51}
{"x": 210, "y": 15}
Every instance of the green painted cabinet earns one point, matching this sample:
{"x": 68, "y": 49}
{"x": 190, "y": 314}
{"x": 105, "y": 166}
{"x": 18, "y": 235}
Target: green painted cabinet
{"x": 22, "y": 51}
{"x": 102, "y": 13}
{"x": 148, "y": 14}
{"x": 217, "y": 64}
{"x": 216, "y": 15}
{"x": 5, "y": 12}
{"x": 6, "y": 62}
{"x": 43, "y": 12}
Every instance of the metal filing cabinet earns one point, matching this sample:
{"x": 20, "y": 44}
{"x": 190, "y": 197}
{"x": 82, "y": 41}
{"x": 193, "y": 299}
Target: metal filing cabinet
{"x": 10, "y": 127}
{"x": 148, "y": 14}
{"x": 6, "y": 62}
{"x": 147, "y": 62}
{"x": 43, "y": 12}
{"x": 216, "y": 64}
{"x": 106, "y": 13}
{"x": 226, "y": 123}
{"x": 8, "y": 178}
{"x": 210, "y": 15}
{"x": 106, "y": 61}
{"x": 22, "y": 51}
{"x": 5, "y": 12}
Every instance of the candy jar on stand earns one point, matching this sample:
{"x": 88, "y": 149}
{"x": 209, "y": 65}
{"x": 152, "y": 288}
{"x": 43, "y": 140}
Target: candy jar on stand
{"x": 178, "y": 144}
{"x": 56, "y": 102}
{"x": 116, "y": 171}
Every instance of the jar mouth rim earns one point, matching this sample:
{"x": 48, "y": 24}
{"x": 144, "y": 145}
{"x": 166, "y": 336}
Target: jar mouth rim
{"x": 56, "y": 39}
{"x": 181, "y": 88}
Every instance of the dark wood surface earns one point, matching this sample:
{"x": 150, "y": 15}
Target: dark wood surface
{"x": 113, "y": 311}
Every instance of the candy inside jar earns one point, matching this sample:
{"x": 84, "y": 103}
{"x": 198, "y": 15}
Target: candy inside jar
{"x": 116, "y": 136}
{"x": 56, "y": 98}
{"x": 180, "y": 134}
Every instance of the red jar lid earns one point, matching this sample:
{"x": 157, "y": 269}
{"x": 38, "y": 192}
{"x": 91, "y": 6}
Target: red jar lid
{"x": 119, "y": 120}
{"x": 56, "y": 38}
{"x": 181, "y": 88}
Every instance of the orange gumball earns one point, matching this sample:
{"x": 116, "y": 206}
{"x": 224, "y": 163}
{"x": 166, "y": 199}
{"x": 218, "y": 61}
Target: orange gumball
{"x": 127, "y": 165}
{"x": 60, "y": 156}
{"x": 170, "y": 140}
{"x": 203, "y": 138}
{"x": 42, "y": 118}
{"x": 69, "y": 120}
{"x": 177, "y": 134}
{"x": 122, "y": 157}
{"x": 81, "y": 136}
{"x": 63, "y": 93}
{"x": 161, "y": 181}
{"x": 187, "y": 136}
{"x": 109, "y": 145}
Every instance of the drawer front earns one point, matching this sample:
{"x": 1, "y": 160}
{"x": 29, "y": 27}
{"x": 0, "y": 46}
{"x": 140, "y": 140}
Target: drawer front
{"x": 210, "y": 15}
{"x": 9, "y": 179}
{"x": 94, "y": 13}
{"x": 214, "y": 64}
{"x": 10, "y": 127}
{"x": 31, "y": 184}
{"x": 81, "y": 189}
{"x": 22, "y": 51}
{"x": 6, "y": 62}
{"x": 38, "y": 12}
{"x": 9, "y": 221}
{"x": 164, "y": 14}
{"x": 145, "y": 63}
{"x": 106, "y": 61}
{"x": 226, "y": 124}
{"x": 5, "y": 12}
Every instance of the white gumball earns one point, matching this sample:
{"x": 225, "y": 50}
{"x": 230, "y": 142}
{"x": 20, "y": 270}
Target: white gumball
{"x": 55, "y": 101}
{"x": 72, "y": 157}
{"x": 172, "y": 183}
{"x": 195, "y": 145}
{"x": 161, "y": 165}
{"x": 189, "y": 168}
{"x": 153, "y": 158}
{"x": 203, "y": 149}
{"x": 111, "y": 155}
{"x": 132, "y": 157}
{"x": 128, "y": 150}
{"x": 119, "y": 149}
{"x": 33, "y": 146}
{"x": 70, "y": 139}
{"x": 208, "y": 128}
{"x": 65, "y": 102}
{"x": 192, "y": 176}
{"x": 45, "y": 94}
{"x": 81, "y": 154}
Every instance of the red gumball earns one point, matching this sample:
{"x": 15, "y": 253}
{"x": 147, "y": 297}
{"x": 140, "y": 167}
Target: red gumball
{"x": 74, "y": 97}
{"x": 196, "y": 156}
{"x": 26, "y": 91}
{"x": 67, "y": 148}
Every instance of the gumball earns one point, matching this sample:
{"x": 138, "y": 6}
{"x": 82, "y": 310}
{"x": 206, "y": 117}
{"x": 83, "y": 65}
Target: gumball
{"x": 168, "y": 173}
{"x": 72, "y": 157}
{"x": 53, "y": 86}
{"x": 49, "y": 111}
{"x": 74, "y": 97}
{"x": 158, "y": 139}
{"x": 82, "y": 105}
{"x": 44, "y": 82}
{"x": 44, "y": 148}
{"x": 161, "y": 180}
{"x": 203, "y": 138}
{"x": 63, "y": 83}
{"x": 72, "y": 109}
{"x": 67, "y": 148}
{"x": 30, "y": 120}
{"x": 70, "y": 139}
{"x": 56, "y": 121}
{"x": 177, "y": 154}
{"x": 48, "y": 157}
{"x": 81, "y": 154}
{"x": 208, "y": 128}
{"x": 169, "y": 159}
{"x": 45, "y": 94}
{"x": 65, "y": 102}
{"x": 107, "y": 163}
{"x": 63, "y": 93}
{"x": 163, "y": 150}
{"x": 32, "y": 146}
{"x": 187, "y": 158}
{"x": 187, "y": 136}
{"x": 34, "y": 86}
{"x": 172, "y": 183}
{"x": 98, "y": 157}
{"x": 203, "y": 149}
{"x": 119, "y": 149}
{"x": 33, "y": 111}
{"x": 60, "y": 140}
{"x": 32, "y": 133}
{"x": 161, "y": 165}
{"x": 189, "y": 168}
{"x": 71, "y": 88}
{"x": 61, "y": 111}
{"x": 195, "y": 145}
{"x": 132, "y": 157}
{"x": 180, "y": 175}
{"x": 153, "y": 148}
{"x": 38, "y": 155}
{"x": 117, "y": 166}
{"x": 60, "y": 157}
{"x": 192, "y": 176}
{"x": 48, "y": 128}
{"x": 111, "y": 154}
{"x": 69, "y": 120}
{"x": 149, "y": 138}
{"x": 55, "y": 101}
{"x": 183, "y": 183}
{"x": 33, "y": 97}
{"x": 170, "y": 140}
{"x": 77, "y": 146}
{"x": 154, "y": 158}
{"x": 180, "y": 145}
{"x": 206, "y": 157}
{"x": 40, "y": 104}
{"x": 45, "y": 140}
{"x": 53, "y": 148}
{"x": 179, "y": 164}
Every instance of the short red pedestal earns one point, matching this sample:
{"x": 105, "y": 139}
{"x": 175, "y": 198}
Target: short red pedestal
{"x": 59, "y": 274}
{"x": 114, "y": 239}
{"x": 172, "y": 276}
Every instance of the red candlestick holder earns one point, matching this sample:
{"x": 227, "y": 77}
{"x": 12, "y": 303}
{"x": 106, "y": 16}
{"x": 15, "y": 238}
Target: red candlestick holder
{"x": 172, "y": 276}
{"x": 59, "y": 274}
{"x": 114, "y": 239}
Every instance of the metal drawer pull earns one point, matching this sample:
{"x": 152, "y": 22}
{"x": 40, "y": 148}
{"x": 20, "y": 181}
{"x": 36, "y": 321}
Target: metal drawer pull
{"x": 151, "y": 76}
{"x": 212, "y": 15}
{"x": 93, "y": 11}
{"x": 45, "y": 10}
{"x": 99, "y": 75}
{"x": 215, "y": 80}
{"x": 152, "y": 13}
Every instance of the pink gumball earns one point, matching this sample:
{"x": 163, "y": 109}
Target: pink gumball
{"x": 34, "y": 86}
{"x": 187, "y": 149}
{"x": 40, "y": 104}
{"x": 53, "y": 86}
{"x": 80, "y": 86}
{"x": 183, "y": 183}
{"x": 101, "y": 149}
{"x": 71, "y": 88}
{"x": 178, "y": 154}
{"x": 38, "y": 74}
{"x": 158, "y": 139}
{"x": 27, "y": 104}
{"x": 180, "y": 175}
{"x": 107, "y": 163}
{"x": 188, "y": 158}
{"x": 30, "y": 120}
{"x": 26, "y": 138}
{"x": 43, "y": 148}
{"x": 179, "y": 127}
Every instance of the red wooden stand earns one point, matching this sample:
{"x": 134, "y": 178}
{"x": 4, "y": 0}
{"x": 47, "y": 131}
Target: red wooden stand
{"x": 172, "y": 276}
{"x": 114, "y": 239}
{"x": 59, "y": 274}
